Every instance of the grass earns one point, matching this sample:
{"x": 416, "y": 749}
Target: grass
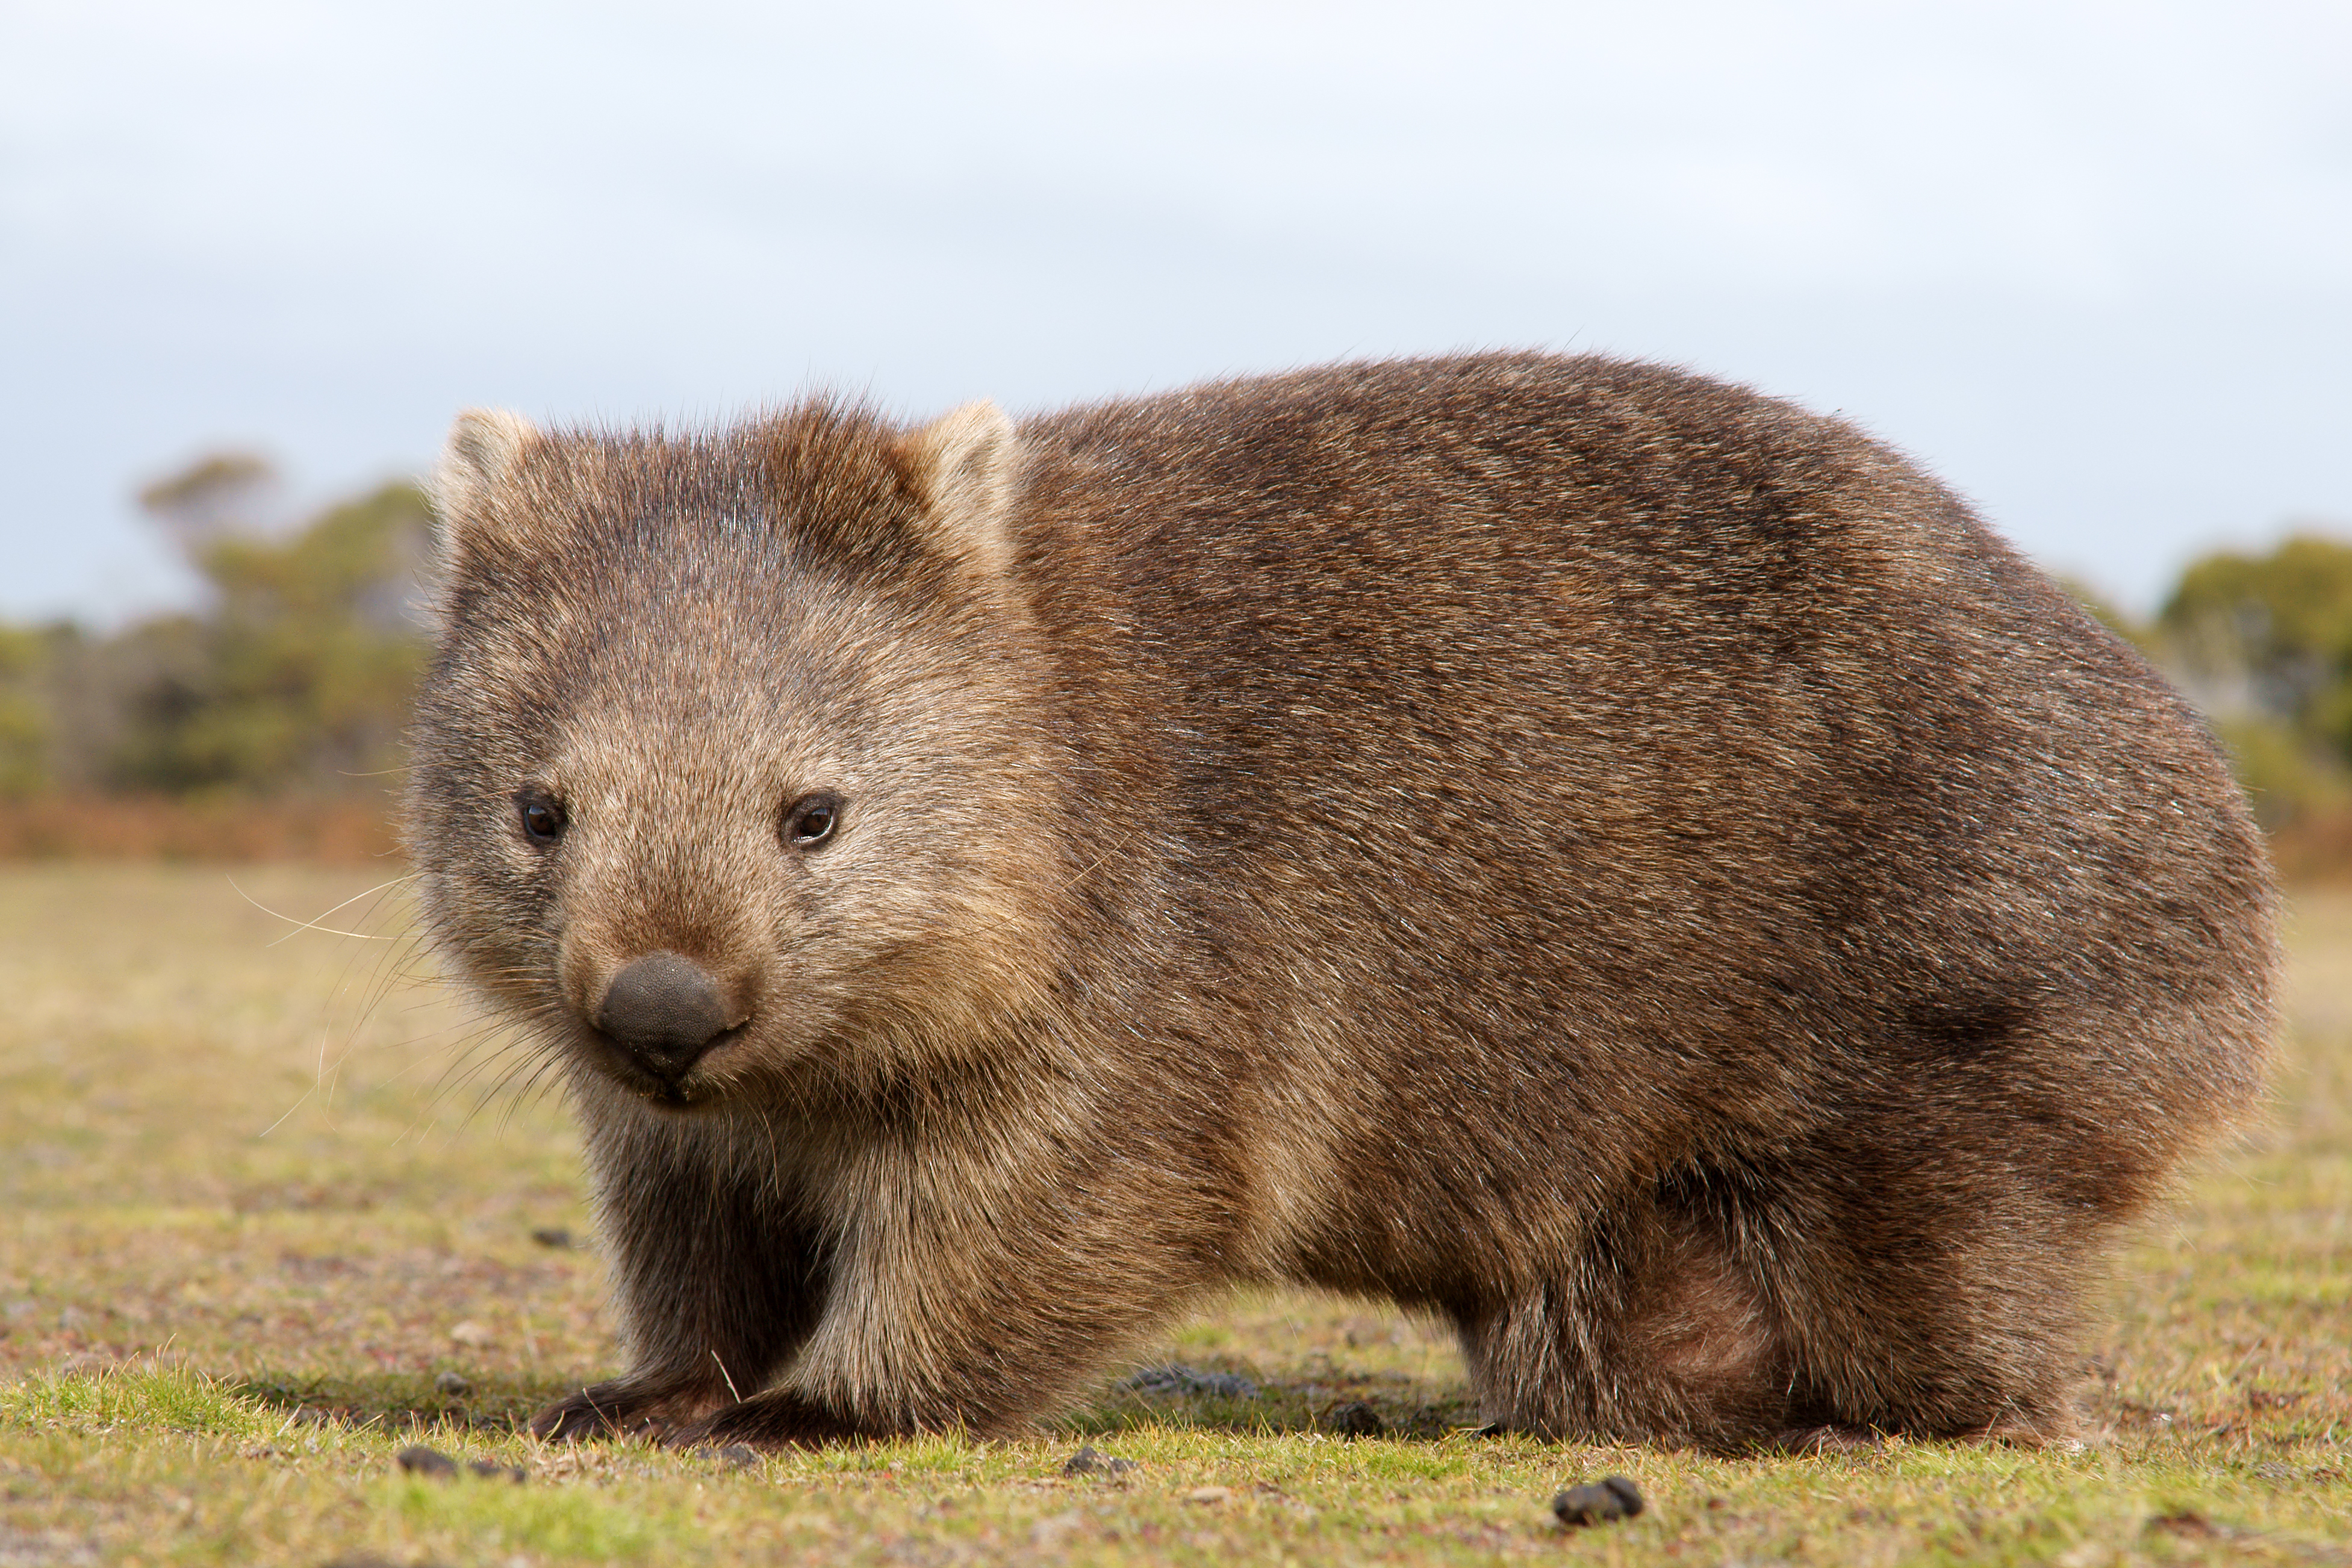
{"x": 259, "y": 1203}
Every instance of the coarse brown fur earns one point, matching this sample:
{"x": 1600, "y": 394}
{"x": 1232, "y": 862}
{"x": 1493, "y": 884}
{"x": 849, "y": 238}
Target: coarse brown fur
{"x": 1604, "y": 858}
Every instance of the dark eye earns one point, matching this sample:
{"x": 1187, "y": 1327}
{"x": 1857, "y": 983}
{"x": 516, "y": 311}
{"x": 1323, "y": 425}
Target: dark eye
{"x": 809, "y": 822}
{"x": 542, "y": 814}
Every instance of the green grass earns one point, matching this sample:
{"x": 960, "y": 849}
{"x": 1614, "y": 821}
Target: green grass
{"x": 251, "y": 1190}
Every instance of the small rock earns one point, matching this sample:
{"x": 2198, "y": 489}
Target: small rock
{"x": 420, "y": 1461}
{"x": 452, "y": 1383}
{"x": 552, "y": 1236}
{"x": 1613, "y": 1498}
{"x": 1190, "y": 1380}
{"x": 491, "y": 1471}
{"x": 1210, "y": 1494}
{"x": 740, "y": 1456}
{"x": 472, "y": 1335}
{"x": 2185, "y": 1522}
{"x": 1354, "y": 1419}
{"x": 1088, "y": 1461}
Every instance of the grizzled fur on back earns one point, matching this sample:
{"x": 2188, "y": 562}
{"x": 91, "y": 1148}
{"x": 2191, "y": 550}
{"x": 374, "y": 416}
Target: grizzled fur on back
{"x": 1609, "y": 859}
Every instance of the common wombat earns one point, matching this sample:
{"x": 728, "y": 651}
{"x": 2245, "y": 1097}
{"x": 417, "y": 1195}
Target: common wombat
{"x": 1599, "y": 856}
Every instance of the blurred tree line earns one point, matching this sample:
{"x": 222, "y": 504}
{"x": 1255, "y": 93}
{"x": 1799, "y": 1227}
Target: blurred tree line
{"x": 294, "y": 678}
{"x": 2263, "y": 645}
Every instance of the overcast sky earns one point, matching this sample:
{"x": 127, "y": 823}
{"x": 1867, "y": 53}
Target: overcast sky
{"x": 2091, "y": 263}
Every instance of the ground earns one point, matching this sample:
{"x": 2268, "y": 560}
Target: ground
{"x": 272, "y": 1217}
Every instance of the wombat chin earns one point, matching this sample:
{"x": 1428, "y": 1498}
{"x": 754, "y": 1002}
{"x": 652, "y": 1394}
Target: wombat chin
{"x": 1613, "y": 862}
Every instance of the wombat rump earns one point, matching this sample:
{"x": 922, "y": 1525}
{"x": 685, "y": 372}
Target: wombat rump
{"x": 1604, "y": 859}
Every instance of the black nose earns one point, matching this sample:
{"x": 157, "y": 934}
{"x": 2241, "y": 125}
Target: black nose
{"x": 664, "y": 1010}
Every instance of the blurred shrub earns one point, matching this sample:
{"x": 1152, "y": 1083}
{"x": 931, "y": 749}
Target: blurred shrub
{"x": 2263, "y": 645}
{"x": 24, "y": 713}
{"x": 301, "y": 675}
{"x": 296, "y": 678}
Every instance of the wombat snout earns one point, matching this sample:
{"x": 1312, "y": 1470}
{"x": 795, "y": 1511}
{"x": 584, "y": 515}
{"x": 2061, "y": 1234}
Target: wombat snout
{"x": 664, "y": 1010}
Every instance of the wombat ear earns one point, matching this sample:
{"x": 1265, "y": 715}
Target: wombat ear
{"x": 485, "y": 445}
{"x": 965, "y": 463}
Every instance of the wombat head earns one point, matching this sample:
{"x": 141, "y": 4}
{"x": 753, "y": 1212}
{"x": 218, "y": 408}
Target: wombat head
{"x": 728, "y": 771}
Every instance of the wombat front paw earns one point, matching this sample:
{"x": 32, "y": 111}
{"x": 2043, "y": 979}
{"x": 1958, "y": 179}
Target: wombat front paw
{"x": 615, "y": 1409}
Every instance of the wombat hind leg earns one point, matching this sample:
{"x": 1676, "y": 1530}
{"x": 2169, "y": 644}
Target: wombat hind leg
{"x": 1832, "y": 1438}
{"x": 780, "y": 1418}
{"x": 2056, "y": 1423}
{"x": 1674, "y": 1344}
{"x": 2055, "y": 1427}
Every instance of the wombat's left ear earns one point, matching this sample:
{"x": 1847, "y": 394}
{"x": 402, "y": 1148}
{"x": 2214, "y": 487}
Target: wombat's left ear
{"x": 486, "y": 445}
{"x": 964, "y": 464}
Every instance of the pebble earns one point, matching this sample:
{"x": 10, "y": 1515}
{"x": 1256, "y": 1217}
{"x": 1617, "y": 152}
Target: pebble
{"x": 1178, "y": 1379}
{"x": 2188, "y": 1521}
{"x": 552, "y": 1236}
{"x": 1087, "y": 1461}
{"x": 1613, "y": 1498}
{"x": 471, "y": 1334}
{"x": 1210, "y": 1494}
{"x": 453, "y": 1382}
{"x": 740, "y": 1456}
{"x": 420, "y": 1461}
{"x": 1354, "y": 1419}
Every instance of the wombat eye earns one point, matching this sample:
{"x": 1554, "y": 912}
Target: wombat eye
{"x": 810, "y": 820}
{"x": 542, "y": 814}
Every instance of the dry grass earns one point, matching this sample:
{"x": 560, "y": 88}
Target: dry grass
{"x": 2315, "y": 849}
{"x": 252, "y": 1190}
{"x": 344, "y": 831}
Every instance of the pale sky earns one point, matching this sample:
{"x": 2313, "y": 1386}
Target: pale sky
{"x": 2090, "y": 263}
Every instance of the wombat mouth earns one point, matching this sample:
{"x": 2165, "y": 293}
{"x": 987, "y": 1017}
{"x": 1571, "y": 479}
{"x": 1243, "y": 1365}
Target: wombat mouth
{"x": 686, "y": 1091}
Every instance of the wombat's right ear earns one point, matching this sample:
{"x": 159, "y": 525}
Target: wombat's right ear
{"x": 965, "y": 463}
{"x": 486, "y": 445}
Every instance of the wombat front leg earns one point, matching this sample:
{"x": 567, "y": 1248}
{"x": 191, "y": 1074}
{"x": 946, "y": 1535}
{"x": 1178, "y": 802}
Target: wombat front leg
{"x": 715, "y": 1286}
{"x": 973, "y": 1312}
{"x": 953, "y": 1381}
